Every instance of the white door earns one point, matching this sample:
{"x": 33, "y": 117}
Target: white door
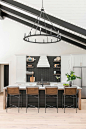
{"x": 1, "y": 77}
{"x": 20, "y": 69}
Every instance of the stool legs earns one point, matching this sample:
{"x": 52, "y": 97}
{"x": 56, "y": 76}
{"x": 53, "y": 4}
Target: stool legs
{"x": 64, "y": 103}
{"x": 6, "y": 102}
{"x": 73, "y": 102}
{"x": 10, "y": 97}
{"x": 10, "y": 101}
{"x": 76, "y": 103}
{"x": 38, "y": 103}
{"x": 45, "y": 103}
{"x": 18, "y": 103}
{"x": 26, "y": 103}
{"x": 57, "y": 103}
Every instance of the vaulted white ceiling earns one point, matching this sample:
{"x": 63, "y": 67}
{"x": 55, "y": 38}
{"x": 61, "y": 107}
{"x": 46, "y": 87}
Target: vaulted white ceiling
{"x": 72, "y": 11}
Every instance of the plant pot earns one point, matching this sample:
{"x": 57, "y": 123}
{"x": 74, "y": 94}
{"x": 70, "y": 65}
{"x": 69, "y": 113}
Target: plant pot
{"x": 70, "y": 83}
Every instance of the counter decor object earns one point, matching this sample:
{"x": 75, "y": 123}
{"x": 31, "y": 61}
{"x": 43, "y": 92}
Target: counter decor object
{"x": 57, "y": 58}
{"x": 32, "y": 79}
{"x": 30, "y": 59}
{"x": 56, "y": 65}
{"x": 54, "y": 72}
{"x": 66, "y": 85}
{"x": 71, "y": 77}
{"x": 57, "y": 77}
{"x": 29, "y": 65}
{"x": 29, "y": 73}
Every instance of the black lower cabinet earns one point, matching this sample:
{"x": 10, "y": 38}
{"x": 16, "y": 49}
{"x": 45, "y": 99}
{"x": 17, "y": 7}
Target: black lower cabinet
{"x": 34, "y": 101}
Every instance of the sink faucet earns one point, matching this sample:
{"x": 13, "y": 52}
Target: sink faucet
{"x": 42, "y": 80}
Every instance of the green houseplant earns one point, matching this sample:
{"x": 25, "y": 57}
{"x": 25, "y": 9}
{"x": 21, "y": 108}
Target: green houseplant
{"x": 71, "y": 77}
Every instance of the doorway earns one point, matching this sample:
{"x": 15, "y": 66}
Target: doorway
{"x": 6, "y": 75}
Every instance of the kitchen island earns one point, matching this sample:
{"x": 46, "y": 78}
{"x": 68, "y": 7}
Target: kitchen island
{"x": 51, "y": 101}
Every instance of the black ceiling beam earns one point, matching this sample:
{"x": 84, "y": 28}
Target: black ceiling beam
{"x": 52, "y": 18}
{"x": 43, "y": 30}
{"x": 42, "y": 23}
{"x": 1, "y": 15}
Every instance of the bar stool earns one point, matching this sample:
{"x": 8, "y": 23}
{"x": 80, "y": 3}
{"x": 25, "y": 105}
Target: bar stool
{"x": 32, "y": 91}
{"x": 51, "y": 92}
{"x": 13, "y": 92}
{"x": 69, "y": 92}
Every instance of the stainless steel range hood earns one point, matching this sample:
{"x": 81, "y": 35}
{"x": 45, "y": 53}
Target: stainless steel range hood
{"x": 43, "y": 62}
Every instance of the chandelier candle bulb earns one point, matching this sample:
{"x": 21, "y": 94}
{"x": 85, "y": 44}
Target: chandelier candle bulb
{"x": 40, "y": 30}
{"x": 30, "y": 32}
{"x": 47, "y": 39}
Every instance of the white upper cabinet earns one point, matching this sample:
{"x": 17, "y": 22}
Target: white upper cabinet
{"x": 69, "y": 61}
{"x": 20, "y": 69}
{"x": 84, "y": 60}
{"x": 79, "y": 60}
{"x": 65, "y": 67}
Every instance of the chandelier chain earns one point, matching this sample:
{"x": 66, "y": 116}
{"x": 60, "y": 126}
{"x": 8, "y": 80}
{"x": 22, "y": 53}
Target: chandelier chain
{"x": 38, "y": 21}
{"x": 42, "y": 3}
{"x": 34, "y": 23}
{"x": 44, "y": 22}
{"x": 49, "y": 20}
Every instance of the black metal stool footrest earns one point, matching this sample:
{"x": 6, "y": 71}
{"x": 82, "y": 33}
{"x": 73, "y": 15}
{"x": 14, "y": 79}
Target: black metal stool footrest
{"x": 32, "y": 106}
{"x": 13, "y": 105}
{"x": 51, "y": 106}
{"x": 69, "y": 106}
{"x": 52, "y": 96}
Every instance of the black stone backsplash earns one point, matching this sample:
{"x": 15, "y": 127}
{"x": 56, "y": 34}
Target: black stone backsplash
{"x": 47, "y": 73}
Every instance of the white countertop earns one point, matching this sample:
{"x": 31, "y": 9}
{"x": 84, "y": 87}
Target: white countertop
{"x": 24, "y": 85}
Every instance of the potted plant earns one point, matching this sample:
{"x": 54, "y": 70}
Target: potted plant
{"x": 71, "y": 77}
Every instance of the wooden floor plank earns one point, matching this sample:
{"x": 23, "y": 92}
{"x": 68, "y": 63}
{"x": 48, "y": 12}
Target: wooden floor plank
{"x": 50, "y": 120}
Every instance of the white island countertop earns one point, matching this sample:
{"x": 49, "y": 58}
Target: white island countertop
{"x": 55, "y": 84}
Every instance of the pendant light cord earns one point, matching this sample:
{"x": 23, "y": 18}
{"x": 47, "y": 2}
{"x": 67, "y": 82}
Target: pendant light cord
{"x": 42, "y": 3}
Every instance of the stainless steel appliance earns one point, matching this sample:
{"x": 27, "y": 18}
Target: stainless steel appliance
{"x": 80, "y": 72}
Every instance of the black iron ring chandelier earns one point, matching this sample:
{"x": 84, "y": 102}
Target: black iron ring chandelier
{"x": 41, "y": 34}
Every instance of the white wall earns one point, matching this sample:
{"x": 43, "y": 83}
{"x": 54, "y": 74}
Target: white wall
{"x": 11, "y": 34}
{"x": 1, "y": 77}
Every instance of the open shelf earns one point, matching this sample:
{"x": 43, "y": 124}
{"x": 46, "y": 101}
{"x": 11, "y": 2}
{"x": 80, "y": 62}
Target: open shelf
{"x": 29, "y": 61}
{"x": 56, "y": 67}
{"x": 57, "y": 61}
{"x": 30, "y": 67}
{"x": 29, "y": 74}
{"x": 57, "y": 74}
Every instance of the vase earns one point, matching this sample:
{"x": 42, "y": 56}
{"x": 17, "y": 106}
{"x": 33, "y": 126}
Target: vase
{"x": 70, "y": 83}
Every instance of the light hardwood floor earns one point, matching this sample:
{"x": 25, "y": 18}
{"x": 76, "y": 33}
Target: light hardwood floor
{"x": 42, "y": 120}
